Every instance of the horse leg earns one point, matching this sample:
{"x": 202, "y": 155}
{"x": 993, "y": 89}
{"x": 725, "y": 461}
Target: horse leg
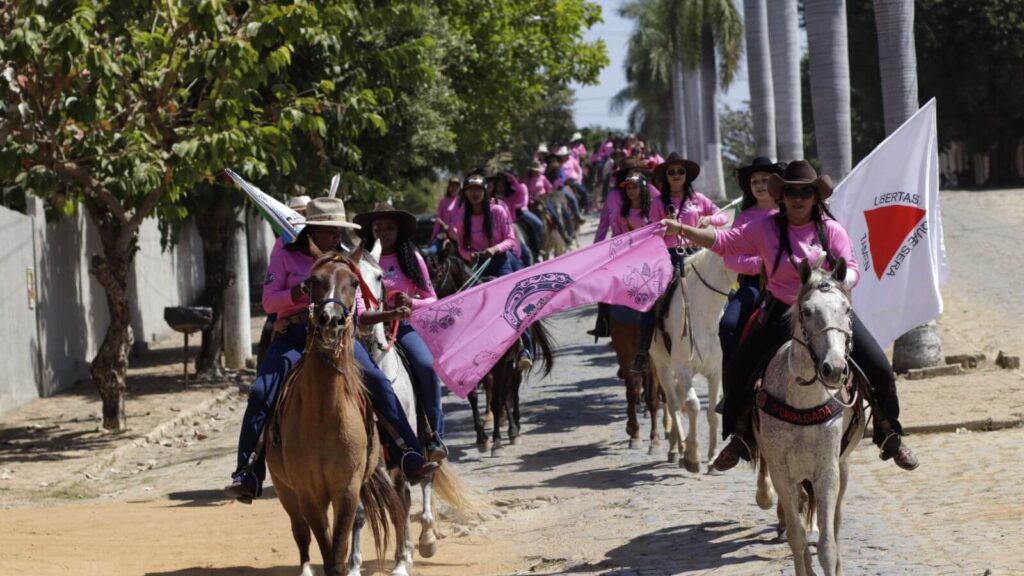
{"x": 714, "y": 388}
{"x": 666, "y": 376}
{"x": 497, "y": 399}
{"x": 355, "y": 562}
{"x": 789, "y": 503}
{"x": 478, "y": 422}
{"x": 765, "y": 493}
{"x": 513, "y": 407}
{"x": 428, "y": 531}
{"x": 300, "y": 528}
{"x": 653, "y": 405}
{"x": 826, "y": 492}
{"x": 632, "y": 403}
{"x": 315, "y": 514}
{"x": 403, "y": 549}
{"x": 844, "y": 471}
{"x": 691, "y": 451}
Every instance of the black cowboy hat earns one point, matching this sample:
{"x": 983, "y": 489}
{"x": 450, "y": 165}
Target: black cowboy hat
{"x": 799, "y": 173}
{"x": 405, "y": 220}
{"x": 623, "y": 168}
{"x": 674, "y": 159}
{"x": 759, "y": 164}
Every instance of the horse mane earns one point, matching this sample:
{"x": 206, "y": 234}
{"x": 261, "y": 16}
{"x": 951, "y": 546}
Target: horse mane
{"x": 818, "y": 275}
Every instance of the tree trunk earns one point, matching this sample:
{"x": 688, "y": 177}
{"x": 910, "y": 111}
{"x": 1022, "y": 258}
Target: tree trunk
{"x": 897, "y": 63}
{"x": 237, "y": 323}
{"x": 784, "y": 31}
{"x": 759, "y": 74}
{"x": 714, "y": 181}
{"x": 692, "y": 112}
{"x": 111, "y": 269}
{"x": 678, "y": 110}
{"x": 830, "y": 85}
{"x": 215, "y": 223}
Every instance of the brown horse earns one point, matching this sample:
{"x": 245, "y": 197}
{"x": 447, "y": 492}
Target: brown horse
{"x": 326, "y": 452}
{"x": 638, "y": 386}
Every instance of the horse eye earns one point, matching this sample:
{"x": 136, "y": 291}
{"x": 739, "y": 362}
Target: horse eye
{"x": 354, "y": 283}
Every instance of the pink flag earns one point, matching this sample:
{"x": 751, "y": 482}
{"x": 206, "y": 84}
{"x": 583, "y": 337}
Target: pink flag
{"x": 468, "y": 332}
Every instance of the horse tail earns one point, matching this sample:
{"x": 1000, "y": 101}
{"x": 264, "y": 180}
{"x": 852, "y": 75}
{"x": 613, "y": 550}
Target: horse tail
{"x": 543, "y": 342}
{"x": 812, "y": 505}
{"x": 465, "y": 500}
{"x": 381, "y": 502}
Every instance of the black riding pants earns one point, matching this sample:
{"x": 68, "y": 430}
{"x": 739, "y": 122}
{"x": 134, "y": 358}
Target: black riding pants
{"x": 768, "y": 335}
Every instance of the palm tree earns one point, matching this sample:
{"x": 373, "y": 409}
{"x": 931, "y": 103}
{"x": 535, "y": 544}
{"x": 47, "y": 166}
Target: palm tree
{"x": 759, "y": 75}
{"x": 784, "y": 31}
{"x": 651, "y": 83}
{"x": 830, "y": 84}
{"x": 897, "y": 62}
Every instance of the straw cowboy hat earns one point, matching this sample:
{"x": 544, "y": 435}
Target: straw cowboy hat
{"x": 799, "y": 173}
{"x": 562, "y": 151}
{"x": 623, "y": 167}
{"x": 405, "y": 220}
{"x": 327, "y": 212}
{"x": 674, "y": 159}
{"x": 537, "y": 166}
{"x": 298, "y": 203}
{"x": 576, "y": 137}
{"x": 759, "y": 164}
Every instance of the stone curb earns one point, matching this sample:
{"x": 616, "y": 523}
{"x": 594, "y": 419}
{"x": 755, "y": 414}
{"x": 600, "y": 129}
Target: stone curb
{"x": 159, "y": 431}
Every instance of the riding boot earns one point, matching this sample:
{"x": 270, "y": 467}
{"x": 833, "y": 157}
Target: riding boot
{"x": 741, "y": 446}
{"x": 643, "y": 344}
{"x": 601, "y": 327}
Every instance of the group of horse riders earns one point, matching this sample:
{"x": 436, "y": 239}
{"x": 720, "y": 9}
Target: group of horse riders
{"x": 784, "y": 221}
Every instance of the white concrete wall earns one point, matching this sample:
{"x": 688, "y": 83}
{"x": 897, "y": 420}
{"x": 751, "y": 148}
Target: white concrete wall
{"x": 19, "y": 346}
{"x": 163, "y": 278}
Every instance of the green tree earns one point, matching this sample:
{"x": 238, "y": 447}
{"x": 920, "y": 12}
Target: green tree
{"x": 123, "y": 107}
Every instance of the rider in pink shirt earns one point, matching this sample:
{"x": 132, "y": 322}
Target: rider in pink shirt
{"x": 803, "y": 230}
{"x": 446, "y": 206}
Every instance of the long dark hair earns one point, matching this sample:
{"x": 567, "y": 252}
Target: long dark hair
{"x": 406, "y": 253}
{"x": 645, "y": 203}
{"x": 818, "y": 213}
{"x": 467, "y": 214}
{"x": 666, "y": 194}
{"x": 301, "y": 241}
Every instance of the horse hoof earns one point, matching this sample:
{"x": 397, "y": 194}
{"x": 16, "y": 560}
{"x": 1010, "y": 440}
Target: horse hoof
{"x": 497, "y": 452}
{"x": 428, "y": 549}
{"x": 400, "y": 571}
{"x": 672, "y": 457}
{"x": 690, "y": 466}
{"x": 634, "y": 443}
{"x": 483, "y": 447}
{"x": 516, "y": 440}
{"x": 654, "y": 448}
{"x": 764, "y": 501}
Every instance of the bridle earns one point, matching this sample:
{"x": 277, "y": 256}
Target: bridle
{"x": 331, "y": 347}
{"x": 823, "y": 286}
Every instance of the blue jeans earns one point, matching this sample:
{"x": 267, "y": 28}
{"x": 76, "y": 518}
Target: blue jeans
{"x": 738, "y": 310}
{"x": 502, "y": 265}
{"x": 524, "y": 248}
{"x": 534, "y": 226}
{"x": 574, "y": 204}
{"x": 428, "y": 386}
{"x": 284, "y": 353}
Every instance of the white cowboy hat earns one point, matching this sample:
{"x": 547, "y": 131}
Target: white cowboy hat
{"x": 576, "y": 136}
{"x": 542, "y": 148}
{"x": 327, "y": 212}
{"x": 562, "y": 151}
{"x": 298, "y": 203}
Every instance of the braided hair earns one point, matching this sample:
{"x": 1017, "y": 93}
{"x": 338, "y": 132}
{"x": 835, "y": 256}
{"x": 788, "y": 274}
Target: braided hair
{"x": 818, "y": 213}
{"x": 406, "y": 253}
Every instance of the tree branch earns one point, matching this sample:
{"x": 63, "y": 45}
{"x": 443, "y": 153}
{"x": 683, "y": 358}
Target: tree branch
{"x": 93, "y": 188}
{"x": 144, "y": 209}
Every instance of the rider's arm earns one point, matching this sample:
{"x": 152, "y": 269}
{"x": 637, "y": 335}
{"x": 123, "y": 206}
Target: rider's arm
{"x": 841, "y": 247}
{"x": 278, "y": 296}
{"x": 423, "y": 297}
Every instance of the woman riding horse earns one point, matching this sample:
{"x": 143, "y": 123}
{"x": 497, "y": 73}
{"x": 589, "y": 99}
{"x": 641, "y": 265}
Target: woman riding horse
{"x": 674, "y": 178}
{"x": 802, "y": 230}
{"x": 286, "y": 293}
{"x": 482, "y": 231}
{"x": 407, "y": 285}
{"x": 757, "y": 204}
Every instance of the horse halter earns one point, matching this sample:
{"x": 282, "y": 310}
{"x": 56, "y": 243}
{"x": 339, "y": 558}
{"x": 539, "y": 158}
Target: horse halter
{"x": 823, "y": 286}
{"x": 346, "y": 315}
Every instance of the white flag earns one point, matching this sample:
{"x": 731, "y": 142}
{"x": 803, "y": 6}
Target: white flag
{"x": 889, "y": 204}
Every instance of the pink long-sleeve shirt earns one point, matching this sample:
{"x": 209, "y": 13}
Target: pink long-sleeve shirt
{"x": 286, "y": 270}
{"x": 579, "y": 151}
{"x": 445, "y": 207}
{"x": 572, "y": 169}
{"x": 517, "y": 197}
{"x": 537, "y": 184}
{"x": 761, "y": 237}
{"x": 691, "y": 211}
{"x": 395, "y": 280}
{"x": 604, "y": 151}
{"x": 748, "y": 264}
{"x": 503, "y": 237}
{"x": 611, "y": 206}
{"x": 622, "y": 224}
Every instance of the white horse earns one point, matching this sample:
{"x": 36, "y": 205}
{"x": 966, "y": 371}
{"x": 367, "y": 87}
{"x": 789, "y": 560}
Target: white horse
{"x": 802, "y": 417}
{"x": 450, "y": 487}
{"x": 691, "y": 324}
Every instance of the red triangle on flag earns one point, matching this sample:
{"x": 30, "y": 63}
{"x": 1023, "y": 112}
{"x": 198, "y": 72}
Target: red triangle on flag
{"x": 887, "y": 229}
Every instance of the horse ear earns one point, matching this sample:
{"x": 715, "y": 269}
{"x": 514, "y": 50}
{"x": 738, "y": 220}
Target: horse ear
{"x": 314, "y": 251}
{"x": 840, "y": 272}
{"x": 805, "y": 272}
{"x": 356, "y": 255}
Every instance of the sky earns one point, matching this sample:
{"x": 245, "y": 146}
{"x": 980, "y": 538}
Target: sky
{"x": 592, "y": 101}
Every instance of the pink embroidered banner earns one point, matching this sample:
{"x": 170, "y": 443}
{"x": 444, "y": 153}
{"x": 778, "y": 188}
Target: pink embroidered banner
{"x": 468, "y": 332}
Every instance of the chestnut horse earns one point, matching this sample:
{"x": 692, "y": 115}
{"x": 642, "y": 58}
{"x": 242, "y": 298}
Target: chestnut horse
{"x": 325, "y": 451}
{"x": 624, "y": 324}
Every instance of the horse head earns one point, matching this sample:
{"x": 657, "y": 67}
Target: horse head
{"x": 332, "y": 296}
{"x": 822, "y": 319}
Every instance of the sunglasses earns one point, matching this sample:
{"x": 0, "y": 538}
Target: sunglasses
{"x": 802, "y": 193}
{"x": 680, "y": 172}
